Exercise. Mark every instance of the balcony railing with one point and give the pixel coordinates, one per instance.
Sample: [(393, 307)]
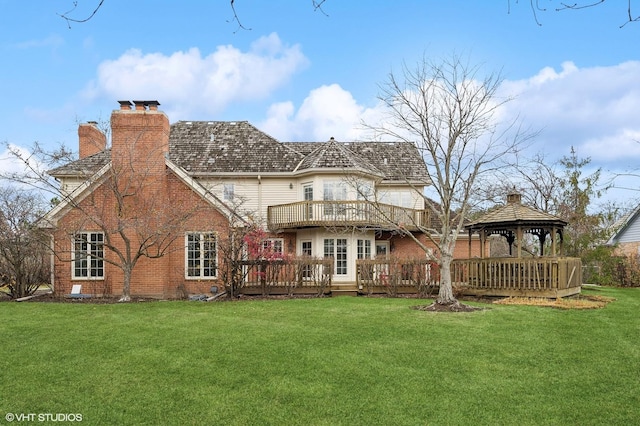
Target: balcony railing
[(304, 214)]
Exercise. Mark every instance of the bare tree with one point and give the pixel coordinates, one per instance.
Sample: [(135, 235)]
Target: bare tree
[(24, 260), (560, 5), (449, 111), (317, 5)]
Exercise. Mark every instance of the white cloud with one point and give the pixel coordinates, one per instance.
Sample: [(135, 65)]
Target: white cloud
[(15, 161), (54, 41), (593, 109), (623, 144), (328, 111), (188, 83)]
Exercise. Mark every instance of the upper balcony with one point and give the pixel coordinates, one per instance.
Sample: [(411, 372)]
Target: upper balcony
[(305, 214)]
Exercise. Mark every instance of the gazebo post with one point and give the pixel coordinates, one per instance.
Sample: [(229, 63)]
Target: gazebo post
[(519, 238)]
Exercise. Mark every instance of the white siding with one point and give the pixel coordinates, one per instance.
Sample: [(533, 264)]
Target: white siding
[(68, 185), (632, 232), (416, 201), (254, 195)]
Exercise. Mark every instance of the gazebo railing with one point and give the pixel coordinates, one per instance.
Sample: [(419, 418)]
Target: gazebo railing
[(521, 274)]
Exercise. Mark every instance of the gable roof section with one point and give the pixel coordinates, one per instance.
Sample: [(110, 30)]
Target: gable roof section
[(87, 166), (332, 155), (628, 230), (50, 219), (394, 161)]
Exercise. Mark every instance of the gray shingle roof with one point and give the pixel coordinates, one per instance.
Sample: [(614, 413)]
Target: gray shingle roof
[(203, 147), (213, 147), (336, 155), (394, 160), (84, 167)]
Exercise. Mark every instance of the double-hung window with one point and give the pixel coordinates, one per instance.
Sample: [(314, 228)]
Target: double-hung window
[(228, 192), (364, 249), (88, 255), (201, 255)]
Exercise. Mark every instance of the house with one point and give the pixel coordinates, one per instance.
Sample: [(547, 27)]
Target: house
[(171, 193), (626, 238)]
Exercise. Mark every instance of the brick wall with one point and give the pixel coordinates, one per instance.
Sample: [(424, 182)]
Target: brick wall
[(405, 247), (142, 199)]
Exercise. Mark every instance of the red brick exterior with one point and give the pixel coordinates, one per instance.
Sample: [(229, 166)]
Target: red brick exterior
[(149, 199), (406, 247), (91, 139)]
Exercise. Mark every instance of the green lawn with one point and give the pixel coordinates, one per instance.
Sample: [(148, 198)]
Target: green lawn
[(326, 361)]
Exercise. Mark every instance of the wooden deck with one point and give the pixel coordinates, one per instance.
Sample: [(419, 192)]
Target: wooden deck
[(526, 277), (493, 277), (304, 214)]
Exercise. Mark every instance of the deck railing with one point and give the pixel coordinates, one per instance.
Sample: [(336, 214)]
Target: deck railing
[(285, 276), (343, 213), (394, 276), (519, 274)]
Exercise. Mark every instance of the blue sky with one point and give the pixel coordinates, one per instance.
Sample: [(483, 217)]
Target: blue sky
[(300, 74)]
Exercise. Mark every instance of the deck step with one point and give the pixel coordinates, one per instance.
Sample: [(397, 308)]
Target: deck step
[(346, 289), (344, 292)]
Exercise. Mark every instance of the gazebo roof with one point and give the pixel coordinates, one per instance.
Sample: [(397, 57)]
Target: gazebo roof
[(514, 214)]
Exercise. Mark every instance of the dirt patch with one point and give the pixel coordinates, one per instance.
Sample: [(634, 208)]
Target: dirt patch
[(450, 307), (578, 302), (53, 298)]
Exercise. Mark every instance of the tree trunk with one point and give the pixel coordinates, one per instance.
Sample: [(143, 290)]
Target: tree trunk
[(126, 285), (445, 294)]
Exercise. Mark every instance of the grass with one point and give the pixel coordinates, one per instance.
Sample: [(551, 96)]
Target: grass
[(340, 361)]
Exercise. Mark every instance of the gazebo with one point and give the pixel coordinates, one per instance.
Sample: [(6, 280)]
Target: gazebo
[(545, 274)]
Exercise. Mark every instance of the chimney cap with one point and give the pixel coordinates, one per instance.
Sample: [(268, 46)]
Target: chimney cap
[(125, 104), (140, 105), (514, 197)]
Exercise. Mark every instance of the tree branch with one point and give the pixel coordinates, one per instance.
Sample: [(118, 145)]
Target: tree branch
[(69, 20)]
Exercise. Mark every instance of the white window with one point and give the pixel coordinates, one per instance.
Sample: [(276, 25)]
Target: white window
[(272, 247), (307, 252), (364, 249), (88, 256), (306, 248), (307, 194), (337, 248), (364, 191), (334, 191), (382, 249), (397, 198), (228, 192), (201, 255)]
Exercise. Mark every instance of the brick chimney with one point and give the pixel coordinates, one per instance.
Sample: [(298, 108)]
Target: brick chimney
[(140, 136), (91, 140)]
